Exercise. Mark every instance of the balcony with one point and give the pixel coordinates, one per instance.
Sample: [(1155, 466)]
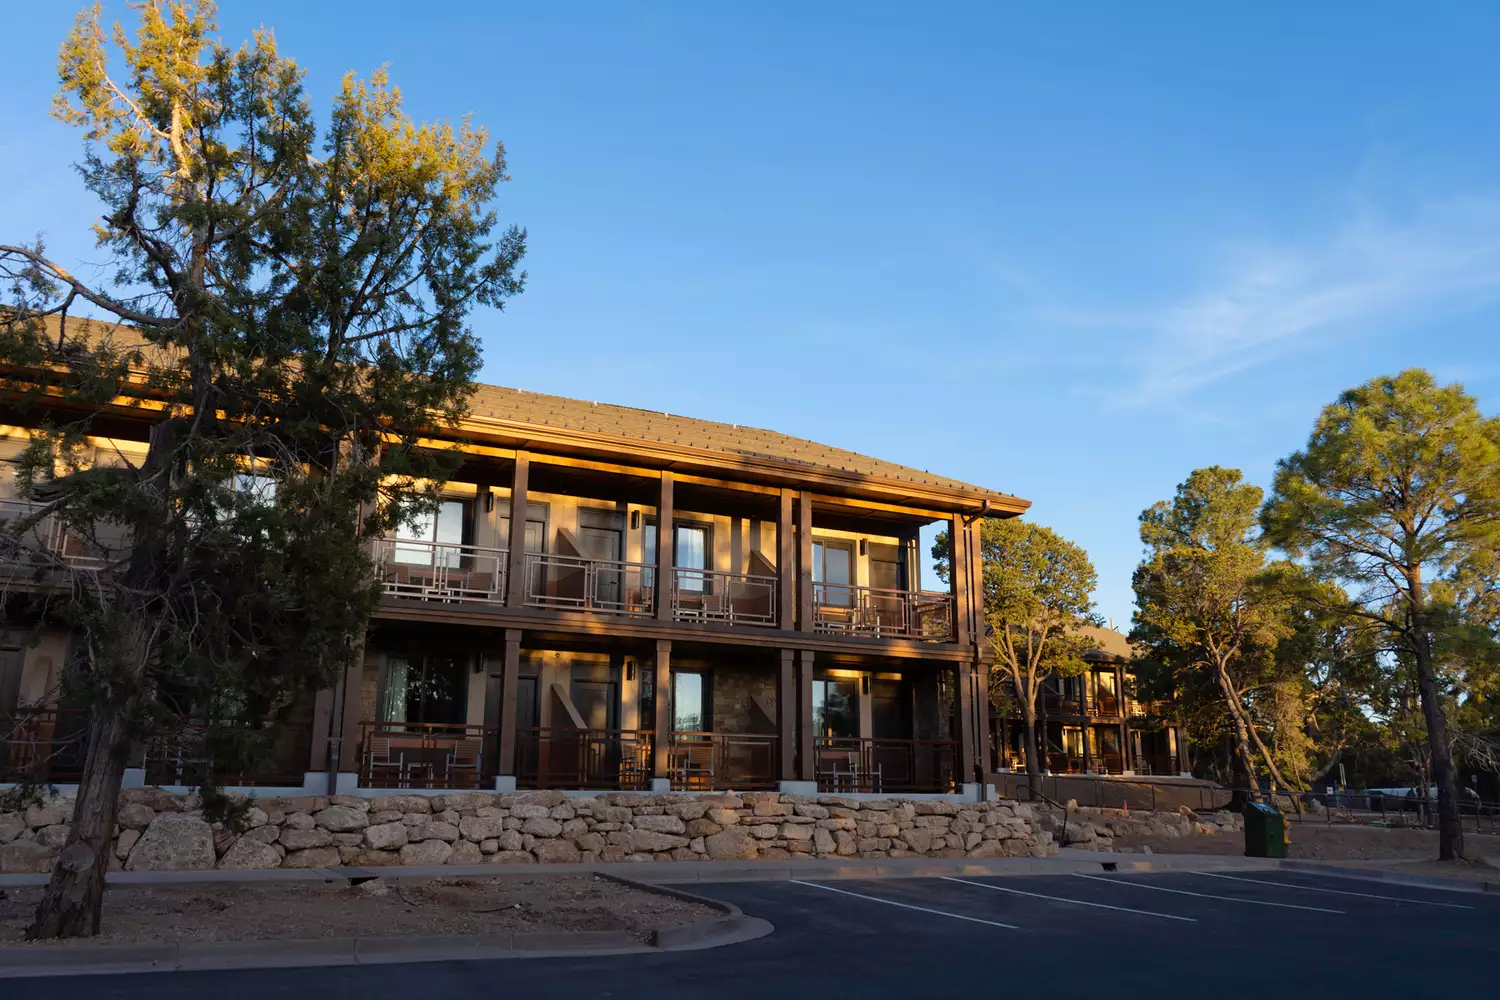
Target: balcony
[(732, 598), (712, 761), (607, 759), (871, 611), (440, 571), (44, 544), (46, 744), (426, 755), (886, 766), (577, 583)]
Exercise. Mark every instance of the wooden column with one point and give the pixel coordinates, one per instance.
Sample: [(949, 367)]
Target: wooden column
[(666, 552), (806, 745), (804, 563), (786, 563), (786, 715), (348, 711), (982, 719), (662, 690), (958, 574), (965, 679), (976, 582), (515, 563), (510, 680), (322, 722), (1122, 709)]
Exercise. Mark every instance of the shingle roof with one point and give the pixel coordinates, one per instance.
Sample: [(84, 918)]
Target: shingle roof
[(630, 422)]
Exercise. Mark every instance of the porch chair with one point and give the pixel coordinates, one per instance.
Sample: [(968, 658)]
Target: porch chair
[(378, 761), (465, 760)]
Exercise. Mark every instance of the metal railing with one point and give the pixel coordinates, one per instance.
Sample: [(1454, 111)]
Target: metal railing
[(850, 764), (711, 761), (426, 754), (575, 582), (874, 611), (43, 744), (46, 541), (441, 571), (583, 758), (274, 754), (715, 596)]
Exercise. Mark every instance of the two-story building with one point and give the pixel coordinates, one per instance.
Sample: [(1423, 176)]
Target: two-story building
[(615, 598)]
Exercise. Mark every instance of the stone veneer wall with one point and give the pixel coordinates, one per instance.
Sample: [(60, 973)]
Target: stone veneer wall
[(163, 831)]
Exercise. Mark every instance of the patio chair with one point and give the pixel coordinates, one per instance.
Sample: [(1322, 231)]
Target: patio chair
[(378, 761), (464, 761)]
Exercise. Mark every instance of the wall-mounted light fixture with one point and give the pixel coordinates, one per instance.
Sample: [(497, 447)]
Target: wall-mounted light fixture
[(864, 683), (864, 546), (635, 520), (489, 502), (630, 670)]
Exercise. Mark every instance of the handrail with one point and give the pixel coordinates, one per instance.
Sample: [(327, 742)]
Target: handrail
[(873, 764), (879, 611), (706, 761), (555, 757), (51, 536), (554, 580), (716, 595), (440, 571)]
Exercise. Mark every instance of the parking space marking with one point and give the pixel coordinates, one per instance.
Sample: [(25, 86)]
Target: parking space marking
[(1205, 895), (1334, 892), (1064, 899), (905, 906)]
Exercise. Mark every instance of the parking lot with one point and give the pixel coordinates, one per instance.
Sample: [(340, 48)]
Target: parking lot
[(1134, 934)]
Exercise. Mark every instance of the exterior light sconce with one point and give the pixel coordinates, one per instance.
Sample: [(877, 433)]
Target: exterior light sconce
[(489, 502), (630, 670), (864, 679), (864, 546), (635, 520)]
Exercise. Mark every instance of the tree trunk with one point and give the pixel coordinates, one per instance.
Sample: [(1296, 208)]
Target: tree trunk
[(1033, 755), (75, 893), (1450, 823), (1241, 732)]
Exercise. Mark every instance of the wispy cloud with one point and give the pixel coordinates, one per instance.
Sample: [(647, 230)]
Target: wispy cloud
[(1272, 301)]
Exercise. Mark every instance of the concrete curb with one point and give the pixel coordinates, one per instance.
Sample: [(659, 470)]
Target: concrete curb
[(1372, 874)]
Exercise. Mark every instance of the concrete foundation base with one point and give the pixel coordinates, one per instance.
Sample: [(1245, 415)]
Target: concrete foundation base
[(798, 787), (134, 777), (505, 782), (659, 785)]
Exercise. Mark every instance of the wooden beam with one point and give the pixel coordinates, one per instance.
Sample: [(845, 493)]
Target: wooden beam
[(510, 680), (981, 672), (958, 574), (662, 738), (804, 563), (976, 582), (786, 563), (807, 754), (786, 715), (515, 573), (966, 747), (666, 549), (321, 721)]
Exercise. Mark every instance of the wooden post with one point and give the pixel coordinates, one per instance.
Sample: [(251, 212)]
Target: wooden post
[(786, 715), (322, 722), (982, 718), (666, 552), (515, 563), (958, 574), (662, 731), (786, 563), (510, 680), (976, 582), (807, 752), (965, 679), (348, 711), (804, 563)]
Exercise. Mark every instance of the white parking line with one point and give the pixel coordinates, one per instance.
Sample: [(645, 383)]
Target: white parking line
[(1334, 892), (1204, 895), (1064, 899), (905, 906)]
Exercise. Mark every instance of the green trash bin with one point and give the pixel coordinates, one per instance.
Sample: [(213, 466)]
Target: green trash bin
[(1265, 831)]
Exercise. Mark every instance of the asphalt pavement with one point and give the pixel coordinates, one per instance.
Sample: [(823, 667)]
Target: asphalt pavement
[(1279, 933)]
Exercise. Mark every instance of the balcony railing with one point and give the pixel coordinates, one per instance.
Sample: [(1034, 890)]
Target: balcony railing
[(881, 766), (441, 571), (1156, 764), (584, 758), (576, 582), (426, 754), (734, 598), (274, 754), (43, 744), (873, 611), (711, 761), (45, 542)]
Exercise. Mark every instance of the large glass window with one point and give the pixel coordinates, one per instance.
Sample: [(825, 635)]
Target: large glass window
[(833, 572), (690, 702), (423, 689), (835, 707), (435, 538), (690, 554)]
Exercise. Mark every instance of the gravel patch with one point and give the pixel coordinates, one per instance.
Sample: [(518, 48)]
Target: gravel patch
[(383, 908)]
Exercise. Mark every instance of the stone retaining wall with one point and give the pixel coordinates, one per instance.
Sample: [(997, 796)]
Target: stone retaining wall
[(1094, 829), (164, 831)]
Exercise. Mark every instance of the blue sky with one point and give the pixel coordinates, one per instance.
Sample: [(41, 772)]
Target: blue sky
[(1067, 251)]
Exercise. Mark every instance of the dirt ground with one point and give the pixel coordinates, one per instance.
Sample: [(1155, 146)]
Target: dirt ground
[(292, 910), (1315, 841)]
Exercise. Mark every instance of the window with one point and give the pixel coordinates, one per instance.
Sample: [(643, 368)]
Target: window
[(435, 538), (430, 689), (261, 489), (832, 573), (835, 707), (690, 554), (691, 710), (1072, 741)]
